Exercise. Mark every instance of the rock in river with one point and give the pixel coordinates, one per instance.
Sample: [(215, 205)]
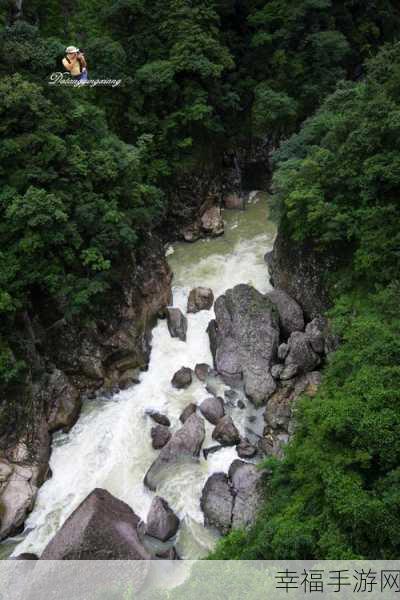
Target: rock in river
[(200, 298), (225, 432), (101, 528), (217, 502), (232, 501), (212, 409), (185, 444), (182, 378), (162, 522), (160, 435), (177, 323)]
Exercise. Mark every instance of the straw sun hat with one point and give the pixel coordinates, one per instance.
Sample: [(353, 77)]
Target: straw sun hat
[(71, 50)]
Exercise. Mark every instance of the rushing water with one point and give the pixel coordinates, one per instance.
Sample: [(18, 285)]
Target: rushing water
[(110, 446)]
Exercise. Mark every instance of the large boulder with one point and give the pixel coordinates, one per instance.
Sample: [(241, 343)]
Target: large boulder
[(162, 522), (217, 502), (182, 378), (184, 445), (244, 339), (290, 313), (200, 298), (315, 334), (301, 353), (225, 432), (246, 483), (177, 323), (160, 436), (231, 501), (101, 528), (212, 409), (212, 222)]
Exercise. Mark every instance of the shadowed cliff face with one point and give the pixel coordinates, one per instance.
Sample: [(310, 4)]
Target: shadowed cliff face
[(302, 271), (69, 360)]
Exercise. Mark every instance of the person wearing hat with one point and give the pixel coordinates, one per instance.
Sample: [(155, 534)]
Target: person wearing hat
[(75, 63)]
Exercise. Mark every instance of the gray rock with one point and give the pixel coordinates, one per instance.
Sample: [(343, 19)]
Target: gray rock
[(245, 449), (160, 435), (290, 313), (283, 351), (187, 412), (246, 483), (315, 334), (244, 340), (182, 378), (289, 372), (202, 371), (232, 501), (22, 472), (225, 432), (217, 502), (64, 402), (276, 371), (212, 409), (101, 528), (185, 444), (162, 522), (159, 418), (301, 353), (177, 323), (241, 404), (200, 298), (212, 222)]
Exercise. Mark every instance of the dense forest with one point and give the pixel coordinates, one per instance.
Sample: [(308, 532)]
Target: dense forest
[(87, 174)]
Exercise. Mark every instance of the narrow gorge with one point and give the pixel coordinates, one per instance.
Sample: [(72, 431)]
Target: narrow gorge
[(247, 351)]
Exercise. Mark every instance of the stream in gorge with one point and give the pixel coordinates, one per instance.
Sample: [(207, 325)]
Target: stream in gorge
[(110, 446)]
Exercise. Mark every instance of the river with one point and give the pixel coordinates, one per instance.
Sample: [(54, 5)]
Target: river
[(110, 446)]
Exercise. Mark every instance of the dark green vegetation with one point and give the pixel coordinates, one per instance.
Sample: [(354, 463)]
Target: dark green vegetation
[(87, 174), (337, 493)]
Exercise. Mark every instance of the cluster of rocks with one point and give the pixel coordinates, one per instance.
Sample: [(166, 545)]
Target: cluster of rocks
[(231, 501), (263, 342), (105, 528)]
